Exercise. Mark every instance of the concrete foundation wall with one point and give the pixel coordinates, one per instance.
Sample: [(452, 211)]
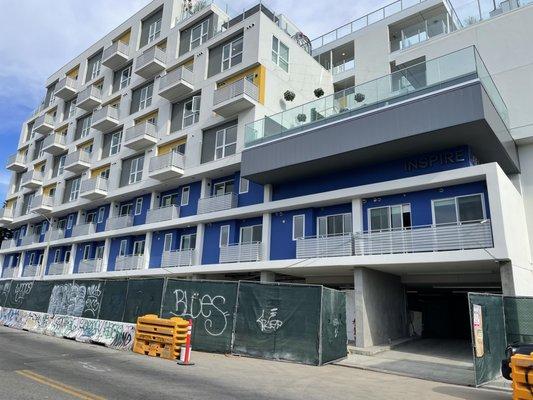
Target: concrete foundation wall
[(380, 309)]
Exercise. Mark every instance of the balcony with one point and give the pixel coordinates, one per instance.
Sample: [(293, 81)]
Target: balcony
[(32, 179), (44, 124), (84, 229), (240, 252), (233, 98), (105, 118), (217, 203), (417, 239), (176, 83), (91, 265), (16, 162), (9, 272), (55, 234), (94, 188), (124, 221), (55, 144), (42, 204), (29, 239), (140, 136), (78, 161), (178, 258), (116, 55), (150, 63), (162, 214), (89, 98), (30, 270), (8, 244), (167, 166), (386, 119), (6, 215), (66, 88), (124, 263), (59, 268)]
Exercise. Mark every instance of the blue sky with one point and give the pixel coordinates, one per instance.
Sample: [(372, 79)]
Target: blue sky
[(39, 36)]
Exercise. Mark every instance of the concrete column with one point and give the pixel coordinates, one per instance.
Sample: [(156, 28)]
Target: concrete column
[(154, 200), (515, 279), (147, 247), (114, 209), (205, 189), (200, 230), (357, 215), (72, 261), (380, 309), (265, 245), (2, 258), (268, 276), (267, 193), (20, 266), (105, 256)]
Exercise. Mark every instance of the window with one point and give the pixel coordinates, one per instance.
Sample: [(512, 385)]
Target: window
[(67, 256), (70, 108), (199, 34), (222, 188), (61, 166), (32, 258), (224, 235), (75, 189), (57, 256), (251, 234), (457, 210), (244, 185), (85, 126), (332, 225), (125, 209), (43, 228), (89, 218), (70, 221), (116, 139), (125, 77), (188, 242), (167, 244), (185, 191), (280, 54), (298, 227), (40, 259), (154, 30), (87, 252), (104, 174), (95, 70), (99, 253), (166, 201), (191, 111), (145, 99), (123, 248), (61, 224), (232, 53), (101, 213), (136, 170), (390, 217), (138, 206), (138, 248), (226, 142)]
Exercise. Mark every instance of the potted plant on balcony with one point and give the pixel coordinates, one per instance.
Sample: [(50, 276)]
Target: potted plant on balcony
[(301, 118), (289, 96), (319, 92), (359, 97)]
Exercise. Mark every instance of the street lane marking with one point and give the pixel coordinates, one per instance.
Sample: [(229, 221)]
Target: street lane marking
[(80, 394)]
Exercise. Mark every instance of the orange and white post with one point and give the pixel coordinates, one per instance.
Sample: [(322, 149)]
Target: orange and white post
[(185, 352)]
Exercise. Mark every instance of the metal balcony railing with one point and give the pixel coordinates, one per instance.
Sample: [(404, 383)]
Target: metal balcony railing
[(15, 159), (123, 263), (174, 76), (162, 214), (9, 272), (45, 119), (150, 55), (67, 82), (105, 112), (217, 203), (91, 91), (6, 213), (79, 156), (93, 184), (90, 265), (30, 270), (42, 201), (123, 221), (32, 175), (55, 139), (117, 47), (29, 239), (169, 160), (8, 244), (417, 239), (140, 130), (240, 252), (235, 89), (59, 268), (83, 229), (56, 234), (178, 258)]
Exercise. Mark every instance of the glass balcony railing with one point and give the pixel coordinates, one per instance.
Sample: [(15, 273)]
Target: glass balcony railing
[(472, 12), (426, 77)]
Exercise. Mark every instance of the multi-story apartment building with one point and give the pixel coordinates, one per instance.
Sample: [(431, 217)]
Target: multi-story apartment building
[(193, 142)]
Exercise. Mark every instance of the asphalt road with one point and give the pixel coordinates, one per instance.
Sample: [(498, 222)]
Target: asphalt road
[(34, 366)]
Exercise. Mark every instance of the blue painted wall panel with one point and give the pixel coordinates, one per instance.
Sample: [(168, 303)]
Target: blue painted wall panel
[(158, 241), (114, 248)]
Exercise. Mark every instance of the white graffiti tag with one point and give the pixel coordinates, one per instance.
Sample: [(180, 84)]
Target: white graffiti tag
[(92, 304), (21, 291), (210, 308), (269, 324)]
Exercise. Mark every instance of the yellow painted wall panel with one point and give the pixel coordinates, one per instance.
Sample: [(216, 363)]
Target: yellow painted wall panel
[(74, 72), (125, 37), (97, 171), (167, 148)]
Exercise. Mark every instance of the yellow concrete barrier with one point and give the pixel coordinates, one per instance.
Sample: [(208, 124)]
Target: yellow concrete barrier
[(522, 374), (159, 337)]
